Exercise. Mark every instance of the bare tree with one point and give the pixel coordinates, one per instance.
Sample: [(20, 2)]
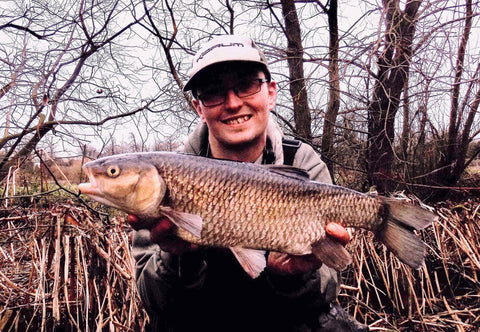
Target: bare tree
[(462, 115), (334, 85), (84, 71), (55, 77), (294, 54), (393, 65), (435, 153)]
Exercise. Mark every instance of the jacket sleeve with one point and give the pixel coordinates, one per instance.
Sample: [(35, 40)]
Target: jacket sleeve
[(309, 160), (314, 290), (159, 274)]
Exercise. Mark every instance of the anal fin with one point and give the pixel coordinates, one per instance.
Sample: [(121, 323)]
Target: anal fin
[(253, 261)]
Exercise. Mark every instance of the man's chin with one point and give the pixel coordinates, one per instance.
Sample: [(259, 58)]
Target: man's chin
[(240, 142)]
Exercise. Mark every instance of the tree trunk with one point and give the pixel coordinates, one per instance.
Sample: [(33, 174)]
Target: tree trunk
[(334, 88), (393, 66), (298, 91), (456, 145)]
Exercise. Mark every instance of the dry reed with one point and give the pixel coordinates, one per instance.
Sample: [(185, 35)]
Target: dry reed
[(64, 267), (444, 295)]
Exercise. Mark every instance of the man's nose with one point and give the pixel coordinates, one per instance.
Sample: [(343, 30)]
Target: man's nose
[(232, 100)]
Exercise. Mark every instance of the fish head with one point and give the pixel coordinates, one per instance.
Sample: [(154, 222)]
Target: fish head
[(125, 182)]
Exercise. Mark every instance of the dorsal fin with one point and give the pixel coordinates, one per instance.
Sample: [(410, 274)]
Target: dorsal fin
[(289, 171)]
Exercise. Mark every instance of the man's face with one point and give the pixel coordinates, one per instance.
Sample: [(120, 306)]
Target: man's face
[(230, 106)]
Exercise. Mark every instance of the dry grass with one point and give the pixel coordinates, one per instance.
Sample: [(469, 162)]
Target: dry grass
[(63, 267), (444, 295)]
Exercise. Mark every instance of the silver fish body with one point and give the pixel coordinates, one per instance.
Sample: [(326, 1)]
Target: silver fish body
[(246, 206)]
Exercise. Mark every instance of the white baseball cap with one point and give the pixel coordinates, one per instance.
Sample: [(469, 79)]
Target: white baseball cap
[(222, 49)]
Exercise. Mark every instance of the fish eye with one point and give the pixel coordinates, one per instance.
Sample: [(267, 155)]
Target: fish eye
[(113, 171)]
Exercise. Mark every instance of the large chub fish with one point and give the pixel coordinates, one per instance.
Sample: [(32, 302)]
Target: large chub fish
[(250, 208)]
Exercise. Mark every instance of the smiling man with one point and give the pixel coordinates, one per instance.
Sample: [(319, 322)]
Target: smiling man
[(235, 104), (186, 288)]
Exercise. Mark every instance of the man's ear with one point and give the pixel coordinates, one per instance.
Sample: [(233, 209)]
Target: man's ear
[(272, 95), (198, 109)]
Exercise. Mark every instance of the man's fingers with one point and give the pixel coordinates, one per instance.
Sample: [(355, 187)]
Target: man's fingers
[(159, 226), (338, 232), (163, 233), (161, 230), (137, 223)]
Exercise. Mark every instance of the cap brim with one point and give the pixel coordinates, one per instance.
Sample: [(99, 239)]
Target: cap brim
[(190, 85)]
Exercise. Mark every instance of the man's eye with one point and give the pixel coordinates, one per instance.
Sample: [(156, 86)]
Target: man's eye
[(210, 91), (209, 97), (244, 85), (210, 94)]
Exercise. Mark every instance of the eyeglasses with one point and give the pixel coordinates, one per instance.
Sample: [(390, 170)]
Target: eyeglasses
[(217, 96)]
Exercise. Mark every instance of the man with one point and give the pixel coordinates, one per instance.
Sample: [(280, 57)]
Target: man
[(186, 288)]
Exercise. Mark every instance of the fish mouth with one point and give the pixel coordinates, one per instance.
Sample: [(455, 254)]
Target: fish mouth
[(237, 120), (91, 188), (88, 189), (94, 193)]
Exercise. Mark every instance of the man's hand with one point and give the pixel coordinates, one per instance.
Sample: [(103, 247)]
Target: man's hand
[(282, 263), (163, 233)]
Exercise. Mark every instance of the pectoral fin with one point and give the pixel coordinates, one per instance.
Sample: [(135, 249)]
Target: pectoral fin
[(332, 253), (253, 261), (189, 222)]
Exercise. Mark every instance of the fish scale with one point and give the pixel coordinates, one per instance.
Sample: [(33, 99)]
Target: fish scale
[(280, 215), (242, 200), (248, 206)]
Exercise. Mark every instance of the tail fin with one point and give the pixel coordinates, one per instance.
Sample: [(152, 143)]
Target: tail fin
[(397, 231)]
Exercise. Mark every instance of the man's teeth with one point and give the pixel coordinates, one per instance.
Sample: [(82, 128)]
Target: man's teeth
[(238, 120)]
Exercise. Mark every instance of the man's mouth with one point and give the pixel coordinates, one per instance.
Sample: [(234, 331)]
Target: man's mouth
[(238, 120)]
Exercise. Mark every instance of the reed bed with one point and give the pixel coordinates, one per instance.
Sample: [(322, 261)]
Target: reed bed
[(64, 267), (444, 295)]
